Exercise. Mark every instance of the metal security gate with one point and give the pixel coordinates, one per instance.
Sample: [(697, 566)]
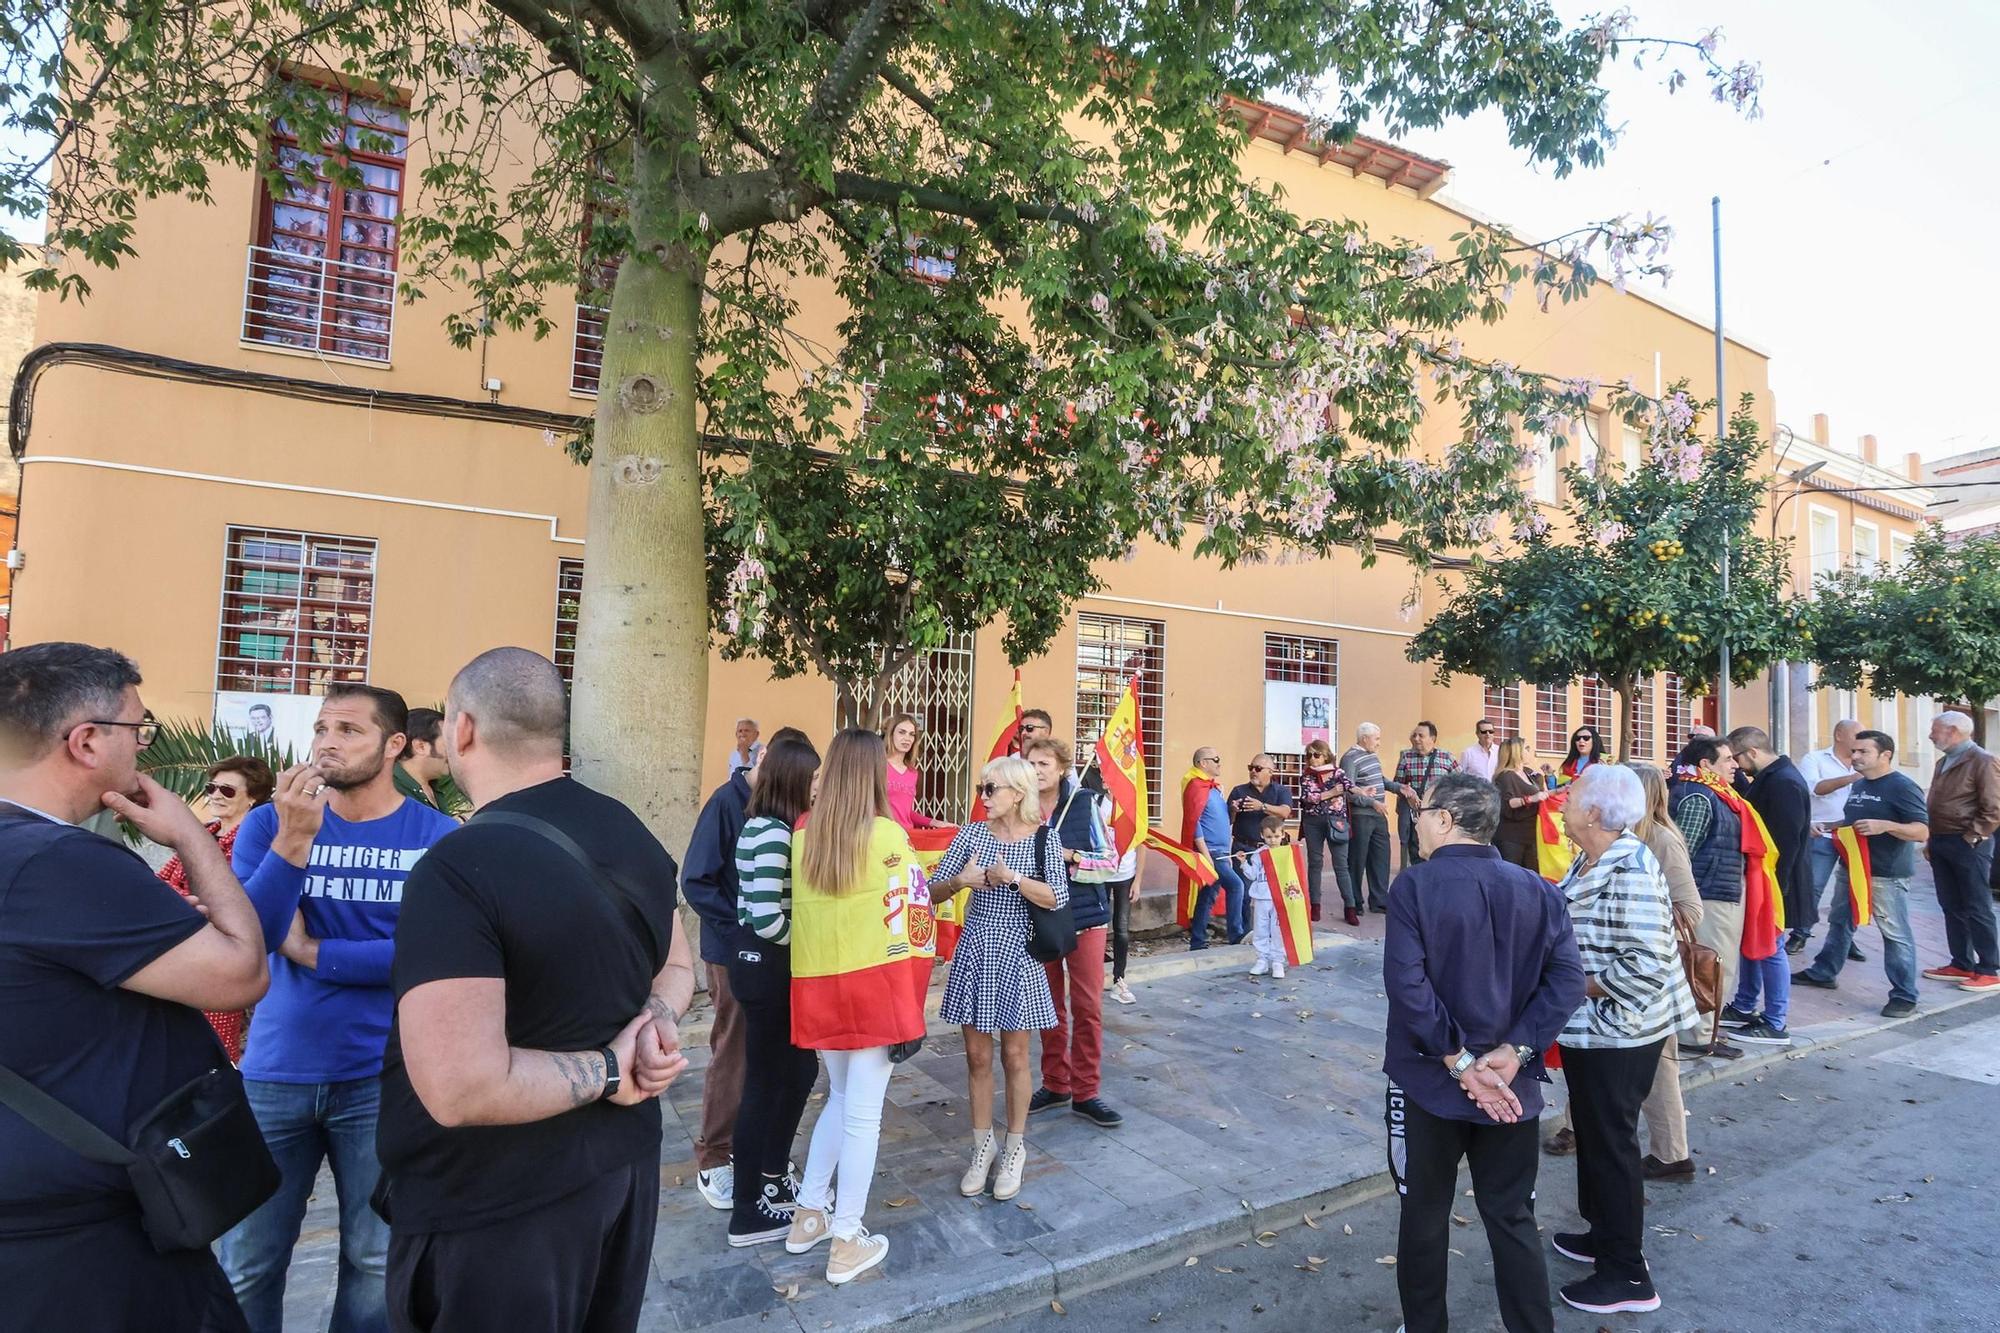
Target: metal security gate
[(936, 688)]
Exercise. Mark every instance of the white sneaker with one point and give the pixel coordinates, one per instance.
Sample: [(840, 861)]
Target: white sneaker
[(1278, 970), (1260, 968), (850, 1257), (1122, 992), (718, 1186)]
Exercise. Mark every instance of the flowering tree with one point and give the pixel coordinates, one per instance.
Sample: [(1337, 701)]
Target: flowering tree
[(1633, 584), (1130, 341), (1929, 627)]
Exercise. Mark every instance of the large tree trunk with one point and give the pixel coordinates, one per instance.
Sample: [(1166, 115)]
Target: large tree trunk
[(1622, 689)]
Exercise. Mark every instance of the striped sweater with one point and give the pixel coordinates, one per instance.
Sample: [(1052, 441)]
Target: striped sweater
[(764, 879), (1624, 926)]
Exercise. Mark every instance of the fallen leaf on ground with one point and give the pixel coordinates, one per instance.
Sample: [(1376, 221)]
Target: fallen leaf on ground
[(1460, 1221), (1307, 1218), (1788, 1096), (1267, 1238), (1220, 1269), (1256, 1309), (1057, 1306), (1025, 1207), (1346, 1230), (901, 1203), (1192, 1260), (1388, 1260), (1904, 1197)]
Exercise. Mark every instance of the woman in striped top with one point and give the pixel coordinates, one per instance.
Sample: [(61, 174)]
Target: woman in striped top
[(777, 1076), (1636, 999)]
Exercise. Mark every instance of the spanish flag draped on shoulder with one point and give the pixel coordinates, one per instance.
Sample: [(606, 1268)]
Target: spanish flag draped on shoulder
[(1853, 849), (1763, 903), (1285, 872), (1554, 852), (1121, 761), (1197, 869), (1007, 741), (861, 960)]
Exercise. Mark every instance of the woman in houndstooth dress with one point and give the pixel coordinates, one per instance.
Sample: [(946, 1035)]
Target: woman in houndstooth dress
[(994, 987)]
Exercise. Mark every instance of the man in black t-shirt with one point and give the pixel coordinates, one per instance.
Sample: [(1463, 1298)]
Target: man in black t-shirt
[(1250, 801), (536, 1003), (104, 972)]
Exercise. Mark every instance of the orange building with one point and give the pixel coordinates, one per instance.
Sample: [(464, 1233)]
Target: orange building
[(272, 475)]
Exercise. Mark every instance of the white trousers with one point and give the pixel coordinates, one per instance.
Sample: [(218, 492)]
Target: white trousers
[(846, 1136), (1264, 932)]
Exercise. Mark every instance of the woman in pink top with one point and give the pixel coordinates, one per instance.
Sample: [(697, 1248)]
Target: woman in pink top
[(901, 739)]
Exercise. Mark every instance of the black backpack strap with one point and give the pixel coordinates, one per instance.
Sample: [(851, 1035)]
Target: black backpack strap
[(59, 1122), (614, 885)]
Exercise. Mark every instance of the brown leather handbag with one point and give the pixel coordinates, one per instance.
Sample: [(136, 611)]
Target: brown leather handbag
[(1703, 967)]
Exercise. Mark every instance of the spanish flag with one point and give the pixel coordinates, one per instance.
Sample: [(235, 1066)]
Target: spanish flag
[(1121, 760), (1853, 849), (1007, 742), (930, 844), (1285, 872), (1763, 903), (1195, 787), (861, 961), (1554, 853)]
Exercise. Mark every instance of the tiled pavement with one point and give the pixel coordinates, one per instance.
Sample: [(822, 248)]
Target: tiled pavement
[(1247, 1102)]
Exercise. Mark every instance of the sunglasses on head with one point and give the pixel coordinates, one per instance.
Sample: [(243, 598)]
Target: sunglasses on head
[(222, 789)]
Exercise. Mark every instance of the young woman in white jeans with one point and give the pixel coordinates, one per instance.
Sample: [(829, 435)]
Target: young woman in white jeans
[(858, 979)]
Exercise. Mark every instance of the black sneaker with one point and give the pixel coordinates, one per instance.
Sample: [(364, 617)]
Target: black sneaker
[(1609, 1295), (1379, 909), (1796, 943), (1806, 978), (1761, 1033), (1044, 1100), (764, 1221), (1574, 1245), (1732, 1017), (1098, 1112), (1854, 954), (1899, 1009)]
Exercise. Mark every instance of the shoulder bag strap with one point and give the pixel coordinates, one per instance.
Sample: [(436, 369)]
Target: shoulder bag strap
[(1042, 853), (614, 885), (59, 1122)]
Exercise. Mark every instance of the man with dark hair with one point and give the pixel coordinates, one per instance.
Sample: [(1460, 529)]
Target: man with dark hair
[(538, 981), (261, 722), (1714, 836), (1886, 810), (1481, 971), (1416, 769), (1035, 725), (103, 977), (708, 879), (423, 763), (1780, 794), (325, 864)]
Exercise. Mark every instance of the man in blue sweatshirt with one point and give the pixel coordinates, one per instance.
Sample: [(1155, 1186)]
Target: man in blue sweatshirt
[(324, 865)]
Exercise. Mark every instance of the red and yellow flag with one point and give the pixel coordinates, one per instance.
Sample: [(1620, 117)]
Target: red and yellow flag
[(1006, 742), (1763, 903), (862, 961), (1554, 853), (1196, 871), (1121, 760), (949, 913), (1285, 872), (1853, 849)]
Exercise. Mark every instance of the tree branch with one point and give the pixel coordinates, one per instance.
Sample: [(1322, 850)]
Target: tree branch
[(560, 40), (863, 52)]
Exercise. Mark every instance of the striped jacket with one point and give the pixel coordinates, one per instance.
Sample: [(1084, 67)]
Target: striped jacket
[(1624, 923), (764, 879)]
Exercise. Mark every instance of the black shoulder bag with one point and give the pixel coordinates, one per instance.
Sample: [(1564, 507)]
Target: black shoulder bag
[(1051, 930)]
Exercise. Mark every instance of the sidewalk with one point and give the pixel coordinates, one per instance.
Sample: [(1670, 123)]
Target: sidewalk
[(1248, 1103)]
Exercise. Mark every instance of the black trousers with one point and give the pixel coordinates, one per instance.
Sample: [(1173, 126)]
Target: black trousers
[(1606, 1089), (1963, 871), (1319, 843), (1424, 1153), (1368, 855), (577, 1265), (108, 1276), (777, 1076), (1121, 925)]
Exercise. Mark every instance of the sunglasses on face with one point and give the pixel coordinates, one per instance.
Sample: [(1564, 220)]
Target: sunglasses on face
[(1260, 768), (1485, 731), (988, 790), (222, 789)]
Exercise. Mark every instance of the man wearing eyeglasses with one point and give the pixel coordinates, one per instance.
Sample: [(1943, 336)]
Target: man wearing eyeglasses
[(1483, 759), (1417, 771), (103, 977)]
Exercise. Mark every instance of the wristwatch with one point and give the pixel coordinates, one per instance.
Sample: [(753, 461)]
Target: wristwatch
[(1465, 1061), (1526, 1054), (612, 1081)]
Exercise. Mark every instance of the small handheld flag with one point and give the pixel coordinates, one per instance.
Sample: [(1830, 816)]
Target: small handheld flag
[(1121, 760), (1285, 872), (1197, 871), (1853, 849)]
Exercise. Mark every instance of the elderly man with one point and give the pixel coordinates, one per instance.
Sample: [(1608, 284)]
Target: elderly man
[(1368, 848), (1417, 768), (1829, 771), (1481, 971), (748, 748), (1964, 804)]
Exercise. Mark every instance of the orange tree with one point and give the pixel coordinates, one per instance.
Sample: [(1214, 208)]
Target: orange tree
[(1629, 582)]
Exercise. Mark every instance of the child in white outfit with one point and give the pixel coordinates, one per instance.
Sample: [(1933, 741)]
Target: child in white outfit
[(1264, 928)]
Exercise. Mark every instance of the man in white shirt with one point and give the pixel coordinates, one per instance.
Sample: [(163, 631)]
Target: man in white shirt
[(1829, 772), (1482, 759)]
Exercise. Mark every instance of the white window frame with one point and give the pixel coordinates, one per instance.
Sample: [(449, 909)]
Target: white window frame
[(1874, 531), (1548, 468), (1899, 554), (1632, 441), (569, 587), (1817, 562)]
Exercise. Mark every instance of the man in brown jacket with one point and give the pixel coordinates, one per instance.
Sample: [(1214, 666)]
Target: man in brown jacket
[(1964, 801)]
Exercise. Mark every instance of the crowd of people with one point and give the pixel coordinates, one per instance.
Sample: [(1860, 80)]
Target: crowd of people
[(470, 1021)]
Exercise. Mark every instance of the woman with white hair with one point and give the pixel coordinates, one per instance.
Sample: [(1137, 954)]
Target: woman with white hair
[(1008, 861), (1637, 997)]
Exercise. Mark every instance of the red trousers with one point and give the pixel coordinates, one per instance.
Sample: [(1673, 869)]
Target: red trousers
[(1073, 1050)]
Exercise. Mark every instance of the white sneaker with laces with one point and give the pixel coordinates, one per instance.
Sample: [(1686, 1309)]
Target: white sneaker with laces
[(1122, 992), (718, 1186), (851, 1256), (1260, 968), (1278, 970)]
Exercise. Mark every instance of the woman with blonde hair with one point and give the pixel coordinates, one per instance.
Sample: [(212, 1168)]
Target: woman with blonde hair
[(862, 940), (1008, 861), (1521, 790)]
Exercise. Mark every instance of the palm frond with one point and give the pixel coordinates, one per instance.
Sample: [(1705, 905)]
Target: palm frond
[(180, 755)]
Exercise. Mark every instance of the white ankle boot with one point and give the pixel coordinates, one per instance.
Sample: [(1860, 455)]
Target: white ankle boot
[(985, 1149), (1013, 1156)]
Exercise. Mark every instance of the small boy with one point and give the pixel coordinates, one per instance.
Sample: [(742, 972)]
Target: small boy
[(1264, 929)]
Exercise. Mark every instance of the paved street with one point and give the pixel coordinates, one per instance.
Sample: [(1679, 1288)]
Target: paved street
[(1248, 1104)]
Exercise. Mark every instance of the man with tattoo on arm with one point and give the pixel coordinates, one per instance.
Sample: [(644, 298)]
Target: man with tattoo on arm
[(539, 981)]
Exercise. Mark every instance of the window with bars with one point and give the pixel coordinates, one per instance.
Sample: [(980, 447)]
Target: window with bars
[(1306, 661), (1597, 709), (1642, 720), (569, 603), (936, 689), (1679, 712), (1552, 719), (1502, 707), (298, 611), (593, 307), (1110, 651), (321, 274)]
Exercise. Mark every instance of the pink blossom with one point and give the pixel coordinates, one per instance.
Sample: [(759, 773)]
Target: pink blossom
[(1611, 533)]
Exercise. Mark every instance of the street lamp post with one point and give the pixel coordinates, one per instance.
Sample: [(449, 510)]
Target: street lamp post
[(1721, 433), (1781, 685)]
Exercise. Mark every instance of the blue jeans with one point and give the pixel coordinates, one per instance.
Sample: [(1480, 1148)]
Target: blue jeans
[(1772, 976), (1825, 859), (1891, 909), (1231, 884), (305, 1123)]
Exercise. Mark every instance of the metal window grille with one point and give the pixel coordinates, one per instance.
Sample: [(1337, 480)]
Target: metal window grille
[(569, 604), (1110, 650), (586, 351), (935, 688), (1552, 719), (1597, 708), (322, 273), (1642, 719), (1679, 712), (1308, 661), (298, 610), (1502, 707)]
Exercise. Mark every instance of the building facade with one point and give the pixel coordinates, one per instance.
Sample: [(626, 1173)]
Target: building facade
[(241, 498)]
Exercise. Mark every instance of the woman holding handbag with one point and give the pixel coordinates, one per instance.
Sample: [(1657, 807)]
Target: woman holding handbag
[(862, 943), (1008, 861), (1323, 821)]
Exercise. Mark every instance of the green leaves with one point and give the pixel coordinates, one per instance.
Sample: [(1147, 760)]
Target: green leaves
[(1929, 627)]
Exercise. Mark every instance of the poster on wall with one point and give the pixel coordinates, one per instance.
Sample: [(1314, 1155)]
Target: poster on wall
[(283, 720), (1296, 715)]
